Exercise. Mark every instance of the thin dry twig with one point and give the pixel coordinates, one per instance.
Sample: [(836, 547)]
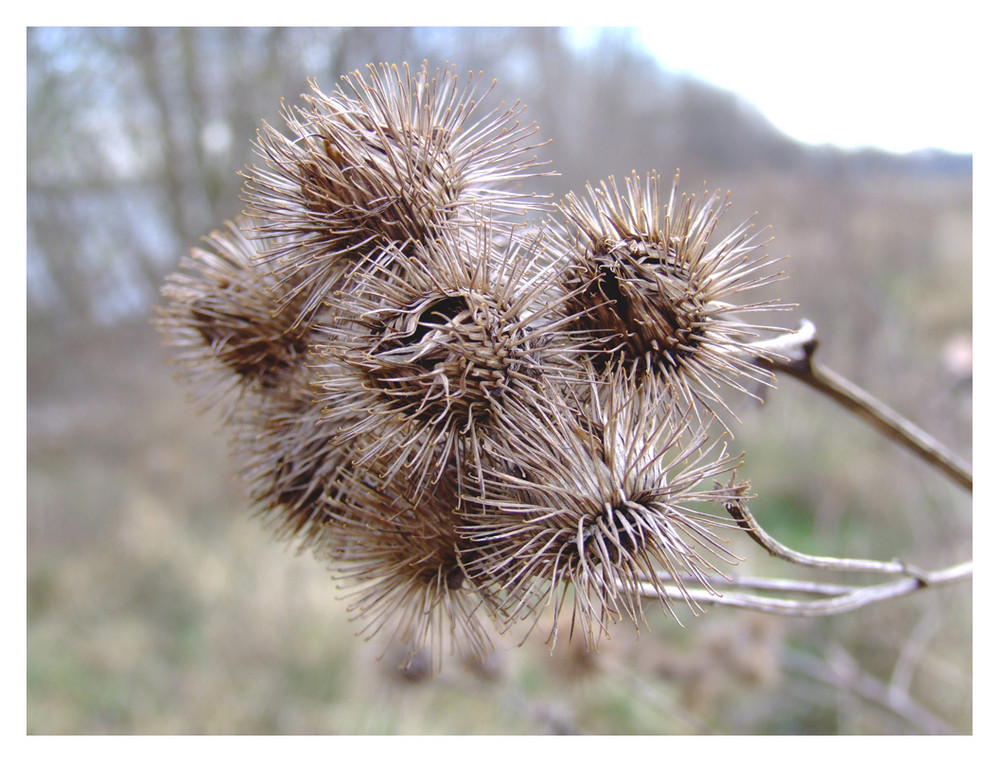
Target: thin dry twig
[(747, 522), (831, 598), (854, 598), (783, 585), (795, 357)]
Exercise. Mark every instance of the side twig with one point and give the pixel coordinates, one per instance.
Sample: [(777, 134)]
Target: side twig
[(746, 521), (828, 599), (856, 598)]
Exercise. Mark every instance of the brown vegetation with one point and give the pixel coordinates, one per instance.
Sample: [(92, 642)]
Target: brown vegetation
[(155, 605)]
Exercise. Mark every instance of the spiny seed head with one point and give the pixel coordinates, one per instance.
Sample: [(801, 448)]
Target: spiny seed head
[(460, 417), (399, 552), (382, 161), (657, 290), (594, 501), (290, 463), (221, 315), (439, 341)]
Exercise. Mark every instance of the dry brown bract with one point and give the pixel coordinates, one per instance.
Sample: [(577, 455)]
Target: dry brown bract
[(400, 553)]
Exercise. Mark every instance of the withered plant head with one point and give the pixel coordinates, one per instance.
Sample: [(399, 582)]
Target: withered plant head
[(439, 341), (383, 160), (399, 553), (664, 297), (590, 499), (222, 319), (461, 418)]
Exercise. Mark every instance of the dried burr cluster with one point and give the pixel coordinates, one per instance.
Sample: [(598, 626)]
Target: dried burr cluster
[(473, 403)]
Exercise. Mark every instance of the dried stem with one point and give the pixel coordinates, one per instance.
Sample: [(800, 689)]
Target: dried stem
[(913, 649), (748, 582), (853, 598), (833, 598), (798, 350), (747, 522)]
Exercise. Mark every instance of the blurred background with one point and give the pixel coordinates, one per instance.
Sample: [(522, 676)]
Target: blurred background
[(157, 603)]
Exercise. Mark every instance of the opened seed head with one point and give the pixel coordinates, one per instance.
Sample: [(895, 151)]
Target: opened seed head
[(662, 296), (439, 342)]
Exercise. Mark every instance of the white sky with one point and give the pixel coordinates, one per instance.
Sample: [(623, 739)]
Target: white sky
[(896, 75)]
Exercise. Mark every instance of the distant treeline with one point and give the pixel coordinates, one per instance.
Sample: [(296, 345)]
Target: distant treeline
[(136, 136)]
